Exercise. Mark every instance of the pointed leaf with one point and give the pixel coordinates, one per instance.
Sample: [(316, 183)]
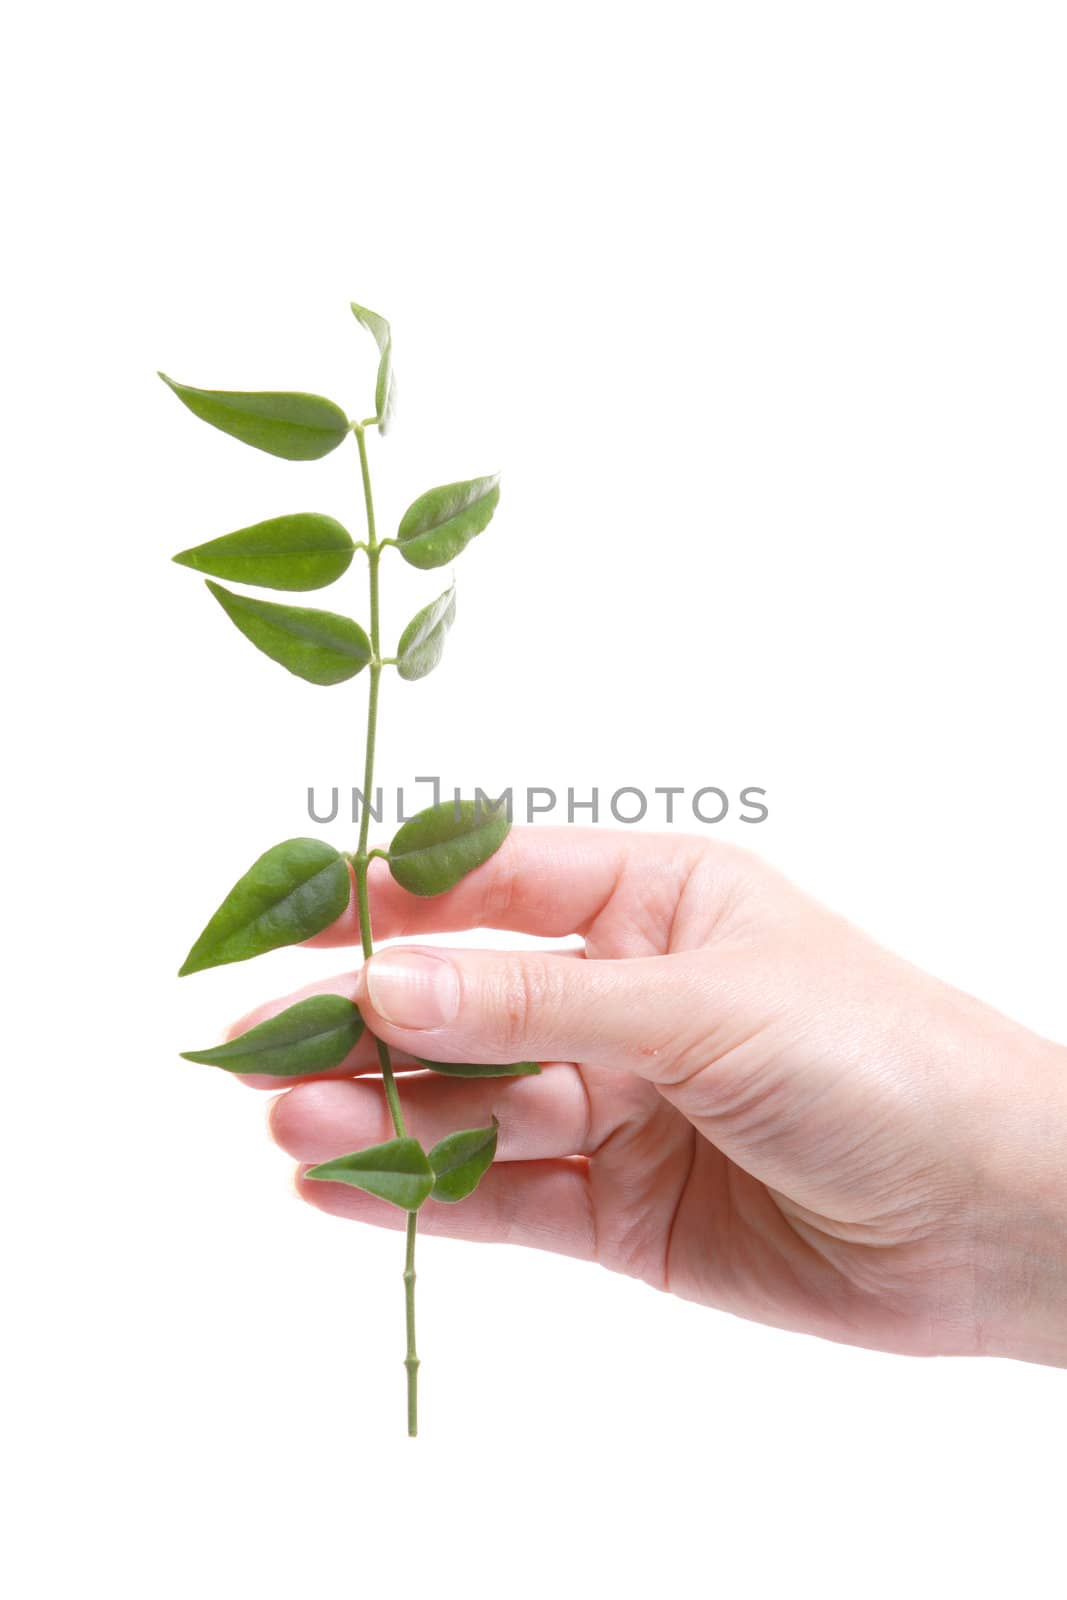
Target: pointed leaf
[(460, 1161), (439, 846), (422, 642), (297, 427), (319, 646), (295, 889), (302, 551), (398, 1172), (468, 1069), (442, 522), (385, 387), (312, 1036)]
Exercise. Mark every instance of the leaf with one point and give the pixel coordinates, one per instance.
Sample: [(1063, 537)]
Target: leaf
[(439, 846), (442, 522), (398, 1172), (312, 1036), (460, 1160), (422, 642), (319, 646), (466, 1069), (295, 889), (385, 387), (302, 551), (298, 427)]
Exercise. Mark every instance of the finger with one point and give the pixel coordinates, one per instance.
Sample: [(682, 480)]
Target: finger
[(656, 1016), (363, 1058), (539, 1117), (544, 1204), (547, 881)]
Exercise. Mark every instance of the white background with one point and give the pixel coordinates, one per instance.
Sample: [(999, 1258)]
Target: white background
[(760, 311)]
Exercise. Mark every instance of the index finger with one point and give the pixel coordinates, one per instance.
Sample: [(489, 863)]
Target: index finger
[(545, 881)]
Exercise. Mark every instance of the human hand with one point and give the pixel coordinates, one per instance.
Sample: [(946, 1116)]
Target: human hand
[(745, 1101)]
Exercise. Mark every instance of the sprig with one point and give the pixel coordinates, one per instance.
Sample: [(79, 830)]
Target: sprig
[(299, 887)]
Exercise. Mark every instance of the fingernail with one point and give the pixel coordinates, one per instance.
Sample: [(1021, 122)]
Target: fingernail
[(412, 990)]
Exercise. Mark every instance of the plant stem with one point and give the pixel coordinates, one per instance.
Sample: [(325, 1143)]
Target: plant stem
[(360, 864), (411, 1360)]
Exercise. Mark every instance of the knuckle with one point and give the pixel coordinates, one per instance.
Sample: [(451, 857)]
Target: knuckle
[(524, 994), (723, 880), (501, 887)]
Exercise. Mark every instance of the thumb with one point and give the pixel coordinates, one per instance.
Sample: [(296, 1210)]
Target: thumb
[(653, 1016)]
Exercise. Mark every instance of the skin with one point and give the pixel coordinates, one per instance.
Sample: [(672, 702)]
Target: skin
[(745, 1101)]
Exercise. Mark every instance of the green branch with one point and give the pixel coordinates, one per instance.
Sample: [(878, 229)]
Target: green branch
[(366, 934)]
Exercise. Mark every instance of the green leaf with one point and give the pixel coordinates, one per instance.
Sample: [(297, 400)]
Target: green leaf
[(442, 522), (460, 1160), (295, 889), (398, 1172), (312, 1036), (298, 427), (385, 387), (439, 846), (468, 1069), (422, 642), (319, 646), (302, 551)]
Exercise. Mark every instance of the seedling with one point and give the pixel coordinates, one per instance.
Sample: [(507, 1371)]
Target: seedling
[(298, 888)]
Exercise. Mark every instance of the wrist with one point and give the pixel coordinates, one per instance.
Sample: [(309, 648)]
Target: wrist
[(1021, 1271)]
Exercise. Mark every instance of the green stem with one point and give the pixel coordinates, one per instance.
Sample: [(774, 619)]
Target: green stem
[(360, 863), (411, 1360)]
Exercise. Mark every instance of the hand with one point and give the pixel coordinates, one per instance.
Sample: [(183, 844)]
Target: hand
[(745, 1101)]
